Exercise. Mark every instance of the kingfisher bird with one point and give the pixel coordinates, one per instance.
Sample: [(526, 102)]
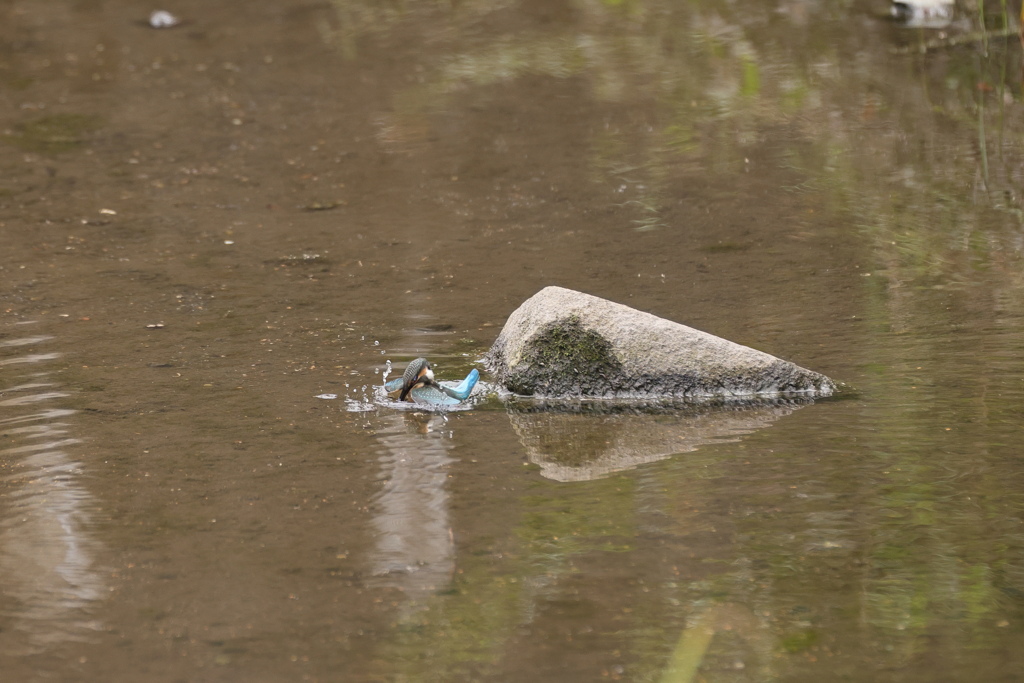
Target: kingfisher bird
[(417, 385), (417, 374)]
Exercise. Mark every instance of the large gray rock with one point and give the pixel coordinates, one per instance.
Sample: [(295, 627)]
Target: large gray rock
[(565, 343)]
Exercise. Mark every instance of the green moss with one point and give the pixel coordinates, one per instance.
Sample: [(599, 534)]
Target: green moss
[(54, 133), (566, 358)]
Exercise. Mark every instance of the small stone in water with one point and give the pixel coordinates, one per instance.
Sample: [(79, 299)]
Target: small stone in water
[(163, 19)]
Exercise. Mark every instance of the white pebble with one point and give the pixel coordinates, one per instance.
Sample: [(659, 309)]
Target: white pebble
[(162, 19)]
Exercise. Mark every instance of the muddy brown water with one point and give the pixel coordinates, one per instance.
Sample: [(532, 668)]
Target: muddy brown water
[(204, 228)]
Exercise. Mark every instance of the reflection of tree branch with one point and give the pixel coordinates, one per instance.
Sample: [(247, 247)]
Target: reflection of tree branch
[(695, 639)]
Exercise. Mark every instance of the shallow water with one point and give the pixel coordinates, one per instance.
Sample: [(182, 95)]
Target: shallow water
[(204, 228)]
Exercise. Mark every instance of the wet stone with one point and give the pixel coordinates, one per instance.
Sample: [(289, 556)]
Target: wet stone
[(566, 343)]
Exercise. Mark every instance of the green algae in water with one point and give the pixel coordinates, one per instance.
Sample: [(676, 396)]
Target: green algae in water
[(14, 81), (53, 133), (800, 641)]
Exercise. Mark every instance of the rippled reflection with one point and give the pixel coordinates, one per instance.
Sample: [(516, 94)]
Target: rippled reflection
[(595, 440), (47, 555), (414, 549)]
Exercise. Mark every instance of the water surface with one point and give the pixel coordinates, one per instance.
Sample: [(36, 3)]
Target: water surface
[(204, 228)]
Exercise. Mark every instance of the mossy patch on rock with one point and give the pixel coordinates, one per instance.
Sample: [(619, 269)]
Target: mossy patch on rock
[(565, 358)]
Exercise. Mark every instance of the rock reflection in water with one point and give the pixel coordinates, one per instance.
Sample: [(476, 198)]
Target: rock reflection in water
[(47, 556), (414, 549), (580, 440)]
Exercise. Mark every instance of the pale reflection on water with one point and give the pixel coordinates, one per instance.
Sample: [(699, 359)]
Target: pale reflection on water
[(595, 440), (48, 557), (414, 548)]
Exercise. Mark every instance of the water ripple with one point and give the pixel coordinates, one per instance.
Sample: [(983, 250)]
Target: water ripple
[(414, 545), (48, 557)]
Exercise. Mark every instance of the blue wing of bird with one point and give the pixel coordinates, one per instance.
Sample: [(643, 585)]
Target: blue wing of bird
[(465, 388), (393, 385)]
